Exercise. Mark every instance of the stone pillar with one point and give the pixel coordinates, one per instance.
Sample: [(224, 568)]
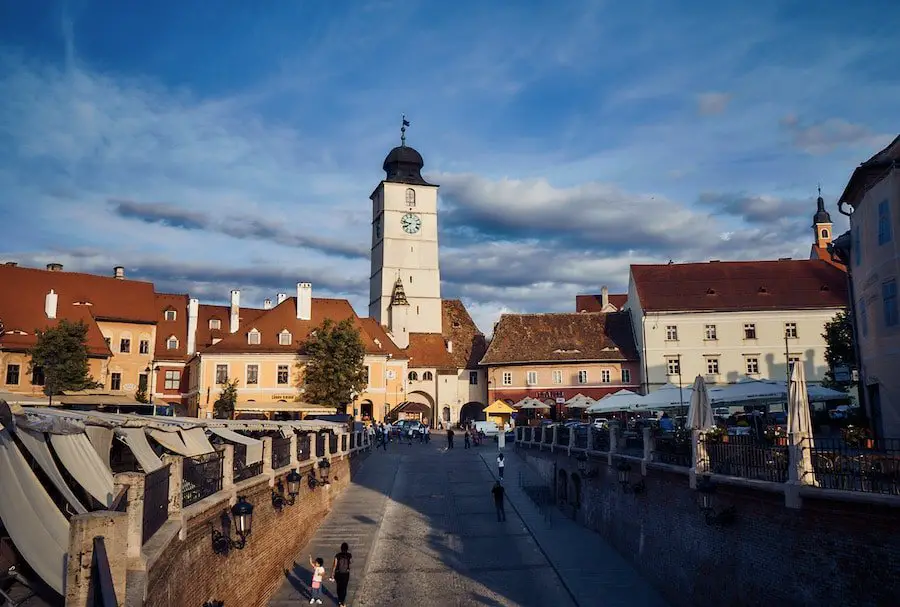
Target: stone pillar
[(134, 511), (176, 474), (571, 440), (113, 528), (294, 459), (228, 467), (648, 450), (698, 457), (554, 437), (313, 437), (267, 455), (613, 440), (327, 452)]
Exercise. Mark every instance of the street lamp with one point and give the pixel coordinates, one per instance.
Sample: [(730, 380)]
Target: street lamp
[(324, 467), (624, 472), (242, 519), (706, 490), (582, 460), (279, 501)]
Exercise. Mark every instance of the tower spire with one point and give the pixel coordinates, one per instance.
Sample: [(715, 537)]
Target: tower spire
[(403, 131)]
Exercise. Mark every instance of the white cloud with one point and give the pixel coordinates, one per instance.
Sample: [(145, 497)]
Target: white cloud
[(712, 103)]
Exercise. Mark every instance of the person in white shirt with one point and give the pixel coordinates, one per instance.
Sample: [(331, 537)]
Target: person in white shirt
[(500, 465)]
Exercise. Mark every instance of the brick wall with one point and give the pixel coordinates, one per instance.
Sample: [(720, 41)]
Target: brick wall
[(188, 572), (826, 553)]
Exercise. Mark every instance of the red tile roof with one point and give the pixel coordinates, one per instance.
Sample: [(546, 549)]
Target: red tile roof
[(469, 344), (85, 297), (207, 312), (270, 323), (593, 303), (822, 254), (385, 344), (167, 328), (740, 285), (570, 336), (429, 350)]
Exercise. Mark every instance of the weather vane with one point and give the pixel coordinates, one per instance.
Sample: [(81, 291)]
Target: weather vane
[(820, 189), (403, 131)]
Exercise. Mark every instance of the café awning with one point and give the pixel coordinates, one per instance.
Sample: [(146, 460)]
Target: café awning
[(254, 446), (84, 465)]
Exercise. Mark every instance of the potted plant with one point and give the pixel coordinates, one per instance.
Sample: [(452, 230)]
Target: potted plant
[(716, 434), (857, 437), (774, 434)]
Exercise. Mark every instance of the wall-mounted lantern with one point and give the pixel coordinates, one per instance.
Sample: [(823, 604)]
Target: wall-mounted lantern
[(583, 469), (242, 519), (324, 467), (624, 472), (279, 501), (706, 491)]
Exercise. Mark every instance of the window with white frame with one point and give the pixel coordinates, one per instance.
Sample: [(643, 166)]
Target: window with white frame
[(507, 378), (889, 301), (557, 377), (221, 374), (473, 378), (125, 345), (626, 376), (671, 333), (531, 378), (582, 377), (253, 338), (710, 332), (171, 314), (172, 343), (285, 338), (284, 375), (790, 330), (252, 375), (712, 365), (605, 376), (749, 330), (752, 364), (215, 323), (144, 346), (173, 380), (115, 381), (368, 374), (673, 365)]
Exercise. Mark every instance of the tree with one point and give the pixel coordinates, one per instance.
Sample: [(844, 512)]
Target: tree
[(140, 395), (839, 348), (224, 405), (333, 373), (61, 352)]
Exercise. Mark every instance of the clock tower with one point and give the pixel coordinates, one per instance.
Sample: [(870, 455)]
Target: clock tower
[(405, 245)]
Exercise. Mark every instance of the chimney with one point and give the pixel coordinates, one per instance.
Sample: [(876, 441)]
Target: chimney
[(304, 300), (280, 297), (235, 311), (119, 272), (450, 346), (54, 267), (267, 304), (50, 304), (604, 297), (193, 314)]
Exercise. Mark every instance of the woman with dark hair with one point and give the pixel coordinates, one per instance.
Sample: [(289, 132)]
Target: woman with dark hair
[(340, 573)]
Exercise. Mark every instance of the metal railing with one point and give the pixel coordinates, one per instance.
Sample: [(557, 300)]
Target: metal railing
[(201, 477), (581, 437), (281, 452), (745, 457), (868, 466), (673, 449), (528, 432), (156, 502), (600, 440), (541, 495), (562, 436), (303, 452), (239, 467), (103, 592), (630, 442), (539, 434), (548, 436)]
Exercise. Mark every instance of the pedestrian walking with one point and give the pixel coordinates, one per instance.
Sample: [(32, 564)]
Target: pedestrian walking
[(498, 493), (500, 465), (318, 565), (427, 434), (384, 437), (467, 439), (340, 573), (449, 438)]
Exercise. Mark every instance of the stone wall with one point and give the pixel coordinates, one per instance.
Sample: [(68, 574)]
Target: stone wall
[(187, 572), (827, 552)]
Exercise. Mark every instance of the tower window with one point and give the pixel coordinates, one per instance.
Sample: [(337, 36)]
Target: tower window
[(410, 197), (824, 233)]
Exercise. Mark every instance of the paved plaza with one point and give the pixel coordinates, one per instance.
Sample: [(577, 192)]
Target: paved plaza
[(422, 528)]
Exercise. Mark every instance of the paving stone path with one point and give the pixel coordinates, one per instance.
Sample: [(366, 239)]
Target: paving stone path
[(422, 528)]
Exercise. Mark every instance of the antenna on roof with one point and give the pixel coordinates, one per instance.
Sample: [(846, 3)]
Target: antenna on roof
[(403, 131)]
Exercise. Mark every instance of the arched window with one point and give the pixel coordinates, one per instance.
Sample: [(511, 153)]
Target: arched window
[(284, 338), (253, 337), (172, 343), (427, 376), (413, 376), (410, 197), (824, 233)]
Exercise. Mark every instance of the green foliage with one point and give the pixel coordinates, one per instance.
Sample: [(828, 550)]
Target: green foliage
[(140, 395), (334, 372), (839, 349), (61, 352), (223, 408)]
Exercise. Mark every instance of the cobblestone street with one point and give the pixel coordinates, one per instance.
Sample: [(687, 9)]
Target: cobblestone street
[(436, 540)]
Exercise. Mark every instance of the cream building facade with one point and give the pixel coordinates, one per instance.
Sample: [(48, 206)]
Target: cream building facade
[(730, 320)]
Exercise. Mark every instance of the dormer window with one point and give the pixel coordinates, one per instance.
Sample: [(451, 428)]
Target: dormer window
[(171, 314), (253, 337), (172, 343), (215, 323), (285, 338)]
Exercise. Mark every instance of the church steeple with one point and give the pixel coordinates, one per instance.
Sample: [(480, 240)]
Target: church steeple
[(821, 223), (398, 296)]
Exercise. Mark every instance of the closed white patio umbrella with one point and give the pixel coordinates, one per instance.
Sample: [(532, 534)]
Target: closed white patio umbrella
[(800, 425), (700, 415)]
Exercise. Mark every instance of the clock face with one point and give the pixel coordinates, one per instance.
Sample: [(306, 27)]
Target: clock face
[(411, 223)]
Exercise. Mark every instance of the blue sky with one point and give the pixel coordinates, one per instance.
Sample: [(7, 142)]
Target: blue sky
[(211, 146)]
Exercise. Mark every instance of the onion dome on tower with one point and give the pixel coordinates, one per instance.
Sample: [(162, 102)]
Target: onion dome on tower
[(404, 164)]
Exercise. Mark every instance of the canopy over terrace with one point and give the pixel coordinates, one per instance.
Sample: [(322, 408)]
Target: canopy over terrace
[(669, 396), (269, 409), (618, 401), (580, 401)]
